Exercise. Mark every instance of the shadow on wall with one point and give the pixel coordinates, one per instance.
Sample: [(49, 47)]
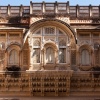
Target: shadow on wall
[(13, 71), (96, 71), (18, 20)]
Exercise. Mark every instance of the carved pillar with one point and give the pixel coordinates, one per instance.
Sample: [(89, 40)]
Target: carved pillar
[(2, 60), (73, 57), (99, 10), (77, 11), (21, 10), (56, 56), (43, 7), (68, 7), (6, 59), (44, 56), (30, 57), (56, 7), (20, 58), (90, 11), (77, 58), (91, 58), (42, 59), (8, 10), (31, 7), (69, 56)]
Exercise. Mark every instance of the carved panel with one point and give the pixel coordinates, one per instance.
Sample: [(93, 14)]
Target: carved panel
[(3, 20), (37, 32), (49, 30), (49, 39), (62, 43), (82, 42), (36, 43), (2, 54), (73, 57), (25, 57), (64, 19), (13, 42), (34, 19)]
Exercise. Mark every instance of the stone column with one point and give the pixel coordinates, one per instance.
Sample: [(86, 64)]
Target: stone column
[(21, 10), (56, 56), (43, 7), (77, 11), (90, 11), (31, 7), (8, 10), (68, 7), (30, 57), (56, 7), (69, 56), (99, 10), (42, 59)]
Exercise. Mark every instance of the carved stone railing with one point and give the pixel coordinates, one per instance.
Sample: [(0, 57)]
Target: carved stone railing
[(53, 8), (85, 83), (36, 83), (14, 11), (50, 83)]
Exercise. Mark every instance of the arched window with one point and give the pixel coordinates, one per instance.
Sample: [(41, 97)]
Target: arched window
[(50, 55), (85, 57), (36, 55), (13, 57), (62, 54), (62, 51), (36, 51)]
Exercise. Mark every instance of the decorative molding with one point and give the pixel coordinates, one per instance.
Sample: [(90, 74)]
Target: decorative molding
[(3, 20), (35, 19)]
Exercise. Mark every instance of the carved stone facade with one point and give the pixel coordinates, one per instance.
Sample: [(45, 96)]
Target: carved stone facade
[(55, 47)]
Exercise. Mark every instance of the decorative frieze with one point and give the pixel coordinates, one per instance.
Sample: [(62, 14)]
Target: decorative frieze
[(64, 19)]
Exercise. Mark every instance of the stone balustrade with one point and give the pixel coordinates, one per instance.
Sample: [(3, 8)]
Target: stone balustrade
[(53, 8), (50, 83)]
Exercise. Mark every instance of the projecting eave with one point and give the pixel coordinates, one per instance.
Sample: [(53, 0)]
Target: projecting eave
[(13, 28), (86, 27)]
